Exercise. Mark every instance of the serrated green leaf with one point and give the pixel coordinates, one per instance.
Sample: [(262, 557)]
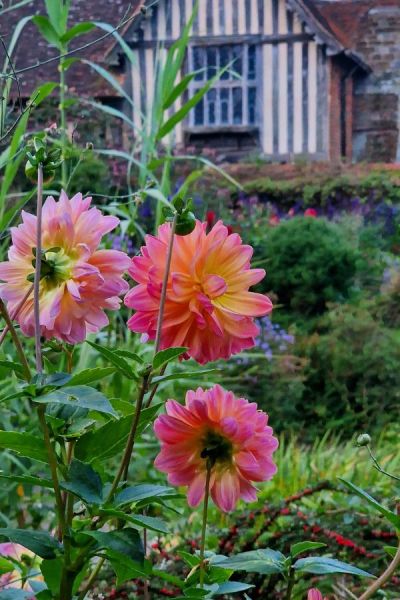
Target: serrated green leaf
[(126, 541), (91, 375), (84, 482), (118, 361), (142, 492), (40, 542), (28, 480), (165, 356), (125, 568), (24, 444), (301, 547), (264, 561), (91, 445), (81, 396), (140, 520), (13, 366), (390, 516), (323, 565), (182, 375)]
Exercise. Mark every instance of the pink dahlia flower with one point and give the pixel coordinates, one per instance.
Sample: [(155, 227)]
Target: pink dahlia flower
[(208, 306), (78, 281), (314, 594), (216, 428)]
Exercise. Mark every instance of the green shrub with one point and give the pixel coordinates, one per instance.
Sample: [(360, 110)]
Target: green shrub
[(309, 262), (351, 378)]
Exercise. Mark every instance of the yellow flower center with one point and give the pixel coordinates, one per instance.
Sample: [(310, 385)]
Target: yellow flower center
[(56, 267)]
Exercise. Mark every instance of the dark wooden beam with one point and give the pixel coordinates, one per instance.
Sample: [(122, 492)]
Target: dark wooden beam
[(230, 39)]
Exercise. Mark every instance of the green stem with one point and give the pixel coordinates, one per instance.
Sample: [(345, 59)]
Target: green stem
[(16, 340), (204, 526), (91, 579), (36, 283), (53, 468), (131, 439), (63, 120), (165, 285), (386, 576), (16, 313), (379, 468), (290, 583)]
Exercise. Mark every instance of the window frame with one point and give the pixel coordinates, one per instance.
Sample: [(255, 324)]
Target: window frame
[(242, 82)]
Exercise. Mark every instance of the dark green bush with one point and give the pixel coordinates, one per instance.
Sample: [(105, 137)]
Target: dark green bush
[(309, 262)]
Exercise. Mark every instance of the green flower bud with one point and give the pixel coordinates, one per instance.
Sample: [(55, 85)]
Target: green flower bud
[(185, 224), (364, 439)]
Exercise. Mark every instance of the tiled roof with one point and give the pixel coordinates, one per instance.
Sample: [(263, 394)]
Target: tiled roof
[(31, 48), (346, 17)]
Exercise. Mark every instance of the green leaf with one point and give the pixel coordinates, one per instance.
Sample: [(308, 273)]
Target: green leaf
[(84, 482), (191, 559), (6, 566), (51, 571), (125, 541), (79, 29), (390, 516), (111, 80), (28, 480), (13, 366), (323, 565), (301, 547), (178, 90), (264, 561), (68, 62), (91, 375), (24, 444), (232, 587), (141, 492), (40, 542), (140, 520), (91, 446), (47, 30), (15, 594), (125, 568), (183, 375), (116, 360), (81, 396), (391, 550), (165, 356)]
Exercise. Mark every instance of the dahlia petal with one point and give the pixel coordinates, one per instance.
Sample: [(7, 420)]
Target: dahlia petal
[(196, 489), (214, 286), (246, 303), (226, 491)]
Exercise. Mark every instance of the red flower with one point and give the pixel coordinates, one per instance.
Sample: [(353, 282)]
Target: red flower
[(310, 212), (210, 218)]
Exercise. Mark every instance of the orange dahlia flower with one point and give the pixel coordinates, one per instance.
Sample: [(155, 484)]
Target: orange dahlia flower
[(78, 281), (216, 428), (208, 308)]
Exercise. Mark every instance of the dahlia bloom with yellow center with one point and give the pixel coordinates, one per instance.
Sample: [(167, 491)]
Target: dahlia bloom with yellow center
[(208, 308), (78, 281), (215, 429)]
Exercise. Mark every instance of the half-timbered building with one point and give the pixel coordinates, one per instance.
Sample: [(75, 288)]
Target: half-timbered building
[(311, 79)]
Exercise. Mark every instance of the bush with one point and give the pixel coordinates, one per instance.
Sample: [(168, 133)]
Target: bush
[(309, 263), (351, 379)]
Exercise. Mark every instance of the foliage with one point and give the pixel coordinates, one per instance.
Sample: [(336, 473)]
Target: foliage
[(309, 264)]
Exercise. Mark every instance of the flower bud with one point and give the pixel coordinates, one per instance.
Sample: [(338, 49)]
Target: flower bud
[(185, 224), (364, 439)]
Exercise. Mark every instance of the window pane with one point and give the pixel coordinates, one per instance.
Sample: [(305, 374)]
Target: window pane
[(211, 62), (237, 106), (211, 98), (198, 62), (252, 62), (224, 105), (252, 105), (199, 113), (224, 59), (238, 60)]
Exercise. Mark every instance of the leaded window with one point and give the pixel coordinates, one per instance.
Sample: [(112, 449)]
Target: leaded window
[(232, 101)]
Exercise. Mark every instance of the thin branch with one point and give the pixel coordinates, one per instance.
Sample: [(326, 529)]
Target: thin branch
[(14, 75), (15, 314), (386, 575), (164, 286), (16, 340), (36, 284)]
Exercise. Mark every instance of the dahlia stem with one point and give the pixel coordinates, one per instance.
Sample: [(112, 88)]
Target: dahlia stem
[(204, 526), (92, 578), (378, 466), (15, 315), (36, 283), (16, 340), (164, 285), (386, 575), (131, 439)]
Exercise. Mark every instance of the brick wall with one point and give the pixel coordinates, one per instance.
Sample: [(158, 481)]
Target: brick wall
[(377, 96)]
